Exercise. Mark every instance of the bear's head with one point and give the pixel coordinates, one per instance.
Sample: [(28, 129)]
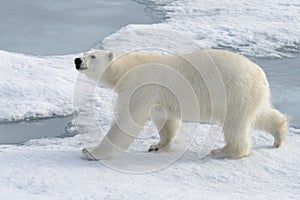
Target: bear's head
[(93, 63)]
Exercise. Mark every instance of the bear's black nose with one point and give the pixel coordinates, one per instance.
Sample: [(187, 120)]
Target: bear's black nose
[(77, 62)]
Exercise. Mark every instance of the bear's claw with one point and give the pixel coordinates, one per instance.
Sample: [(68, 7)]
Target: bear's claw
[(155, 148), (87, 155)]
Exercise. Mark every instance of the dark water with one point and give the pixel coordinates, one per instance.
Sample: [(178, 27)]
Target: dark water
[(17, 132), (65, 26), (284, 79)]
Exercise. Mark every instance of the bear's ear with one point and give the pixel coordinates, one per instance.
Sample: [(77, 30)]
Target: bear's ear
[(111, 55)]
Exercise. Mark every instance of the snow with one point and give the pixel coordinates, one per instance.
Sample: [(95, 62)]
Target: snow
[(35, 87), (254, 28), (43, 86), (54, 169)]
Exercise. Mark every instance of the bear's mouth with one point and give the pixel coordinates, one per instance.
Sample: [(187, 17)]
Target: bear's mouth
[(82, 68)]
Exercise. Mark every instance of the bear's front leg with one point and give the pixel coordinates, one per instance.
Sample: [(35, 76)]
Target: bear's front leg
[(114, 143), (166, 134), (89, 152)]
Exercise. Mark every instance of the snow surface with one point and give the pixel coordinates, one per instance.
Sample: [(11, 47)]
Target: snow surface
[(53, 169), (268, 28), (35, 87)]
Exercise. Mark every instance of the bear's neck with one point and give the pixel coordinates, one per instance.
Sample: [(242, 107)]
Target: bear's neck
[(124, 63)]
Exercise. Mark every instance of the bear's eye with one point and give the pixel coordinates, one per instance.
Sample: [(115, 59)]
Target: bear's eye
[(93, 56)]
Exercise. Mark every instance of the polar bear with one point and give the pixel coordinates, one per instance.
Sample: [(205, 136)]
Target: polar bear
[(246, 98)]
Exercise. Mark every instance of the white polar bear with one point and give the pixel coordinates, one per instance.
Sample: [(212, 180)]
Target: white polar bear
[(247, 98)]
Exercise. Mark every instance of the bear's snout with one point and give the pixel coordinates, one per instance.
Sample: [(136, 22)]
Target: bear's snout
[(77, 62)]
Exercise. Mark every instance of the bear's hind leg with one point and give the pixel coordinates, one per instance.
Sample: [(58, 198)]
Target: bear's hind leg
[(273, 122), (236, 135), (167, 133)]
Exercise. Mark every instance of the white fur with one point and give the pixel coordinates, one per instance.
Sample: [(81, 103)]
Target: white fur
[(246, 98)]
